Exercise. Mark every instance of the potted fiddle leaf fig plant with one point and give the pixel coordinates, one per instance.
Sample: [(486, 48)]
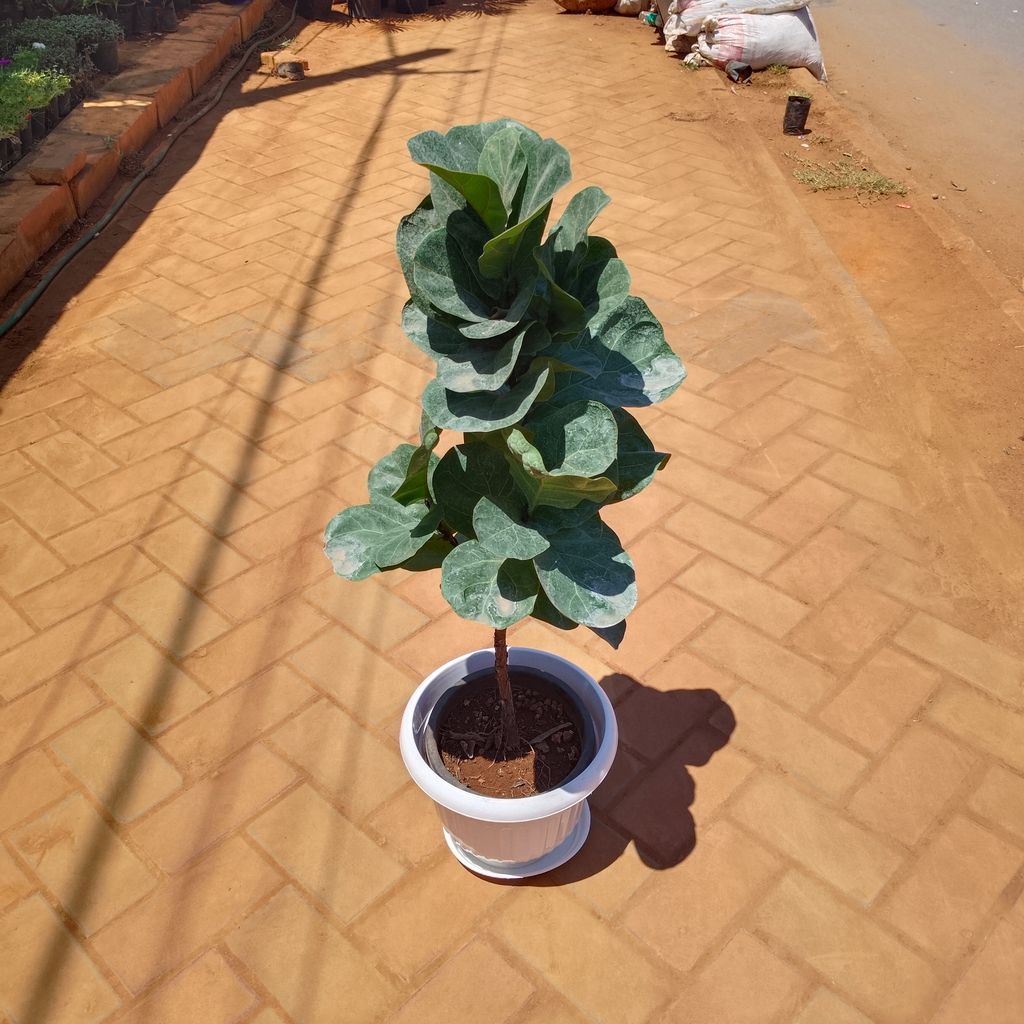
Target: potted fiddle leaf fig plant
[(539, 351)]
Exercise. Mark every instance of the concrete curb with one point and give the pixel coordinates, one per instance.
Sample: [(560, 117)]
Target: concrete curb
[(76, 163)]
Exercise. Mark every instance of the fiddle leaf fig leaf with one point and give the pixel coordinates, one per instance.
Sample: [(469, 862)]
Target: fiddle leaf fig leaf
[(483, 410), (544, 610), (547, 170), (567, 315), (503, 161), (364, 539), (637, 367), (568, 238), (442, 276), (636, 461), (430, 556), (462, 366), (500, 254), (612, 635), (603, 286), (486, 587), (579, 439), (502, 323), (412, 229), (498, 527), (587, 575), (403, 474), (468, 473)]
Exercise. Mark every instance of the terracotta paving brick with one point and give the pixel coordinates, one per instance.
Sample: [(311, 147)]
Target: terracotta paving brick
[(159, 933), (880, 699), (745, 596), (980, 722), (737, 544), (684, 910), (872, 968), (907, 791), (820, 567), (846, 855), (83, 587), (768, 666), (983, 664), (14, 883), (28, 784), (780, 462), (554, 935), (41, 501), (58, 847), (24, 562), (869, 481), (324, 742), (827, 1008), (992, 988), (189, 824), (848, 625), (1000, 798), (30, 932), (769, 731), (208, 989), (171, 614), (341, 985), (144, 683), (769, 986), (886, 528), (70, 458), (192, 553), (952, 887), (55, 649)]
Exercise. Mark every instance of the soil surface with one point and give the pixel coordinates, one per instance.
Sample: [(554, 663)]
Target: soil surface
[(548, 725)]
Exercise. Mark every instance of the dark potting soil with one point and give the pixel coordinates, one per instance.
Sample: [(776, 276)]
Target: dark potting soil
[(549, 731)]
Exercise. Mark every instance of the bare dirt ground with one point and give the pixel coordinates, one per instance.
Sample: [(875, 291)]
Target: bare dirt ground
[(955, 315)]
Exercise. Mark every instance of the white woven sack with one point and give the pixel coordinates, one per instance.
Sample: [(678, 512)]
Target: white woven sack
[(686, 17), (787, 38)]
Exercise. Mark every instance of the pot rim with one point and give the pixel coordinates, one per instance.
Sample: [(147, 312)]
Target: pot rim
[(502, 809)]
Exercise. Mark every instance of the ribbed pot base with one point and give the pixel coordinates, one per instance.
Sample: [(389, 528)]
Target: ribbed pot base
[(564, 851)]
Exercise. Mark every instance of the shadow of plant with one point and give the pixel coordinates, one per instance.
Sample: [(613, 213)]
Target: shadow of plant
[(646, 799)]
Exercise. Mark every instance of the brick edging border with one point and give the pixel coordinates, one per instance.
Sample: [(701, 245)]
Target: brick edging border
[(58, 183)]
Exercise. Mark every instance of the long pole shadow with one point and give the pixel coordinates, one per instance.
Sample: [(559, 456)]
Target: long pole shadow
[(97, 847)]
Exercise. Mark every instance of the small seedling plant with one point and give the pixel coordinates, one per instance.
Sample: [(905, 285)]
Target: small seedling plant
[(540, 351)]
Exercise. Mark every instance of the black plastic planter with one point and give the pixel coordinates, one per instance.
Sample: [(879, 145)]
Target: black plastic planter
[(52, 114), (182, 6), (167, 19), (39, 124), (105, 57), (10, 153), (411, 6), (64, 104), (27, 137), (145, 20), (315, 10), (795, 120), (435, 3), (126, 18), (364, 9)]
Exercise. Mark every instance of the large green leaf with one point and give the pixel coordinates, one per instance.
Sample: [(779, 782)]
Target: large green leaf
[(462, 365), (636, 460), (487, 588), (430, 556), (503, 321), (544, 610), (499, 527), (402, 474), (483, 410), (501, 253), (612, 635), (412, 229), (636, 365), (364, 539), (466, 474), (568, 238), (579, 439), (543, 488), (503, 161), (444, 278), (547, 170), (587, 575), (566, 312), (602, 286)]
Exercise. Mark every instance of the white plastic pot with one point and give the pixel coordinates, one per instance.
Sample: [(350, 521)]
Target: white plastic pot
[(512, 838)]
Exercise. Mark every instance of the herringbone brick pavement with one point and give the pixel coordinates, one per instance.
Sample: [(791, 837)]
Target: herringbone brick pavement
[(817, 814)]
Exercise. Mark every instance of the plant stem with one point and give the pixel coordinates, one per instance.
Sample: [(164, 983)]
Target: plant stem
[(509, 727)]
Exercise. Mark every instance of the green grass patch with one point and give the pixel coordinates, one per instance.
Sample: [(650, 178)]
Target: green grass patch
[(840, 175)]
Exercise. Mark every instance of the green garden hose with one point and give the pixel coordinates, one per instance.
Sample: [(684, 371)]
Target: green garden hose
[(68, 255)]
